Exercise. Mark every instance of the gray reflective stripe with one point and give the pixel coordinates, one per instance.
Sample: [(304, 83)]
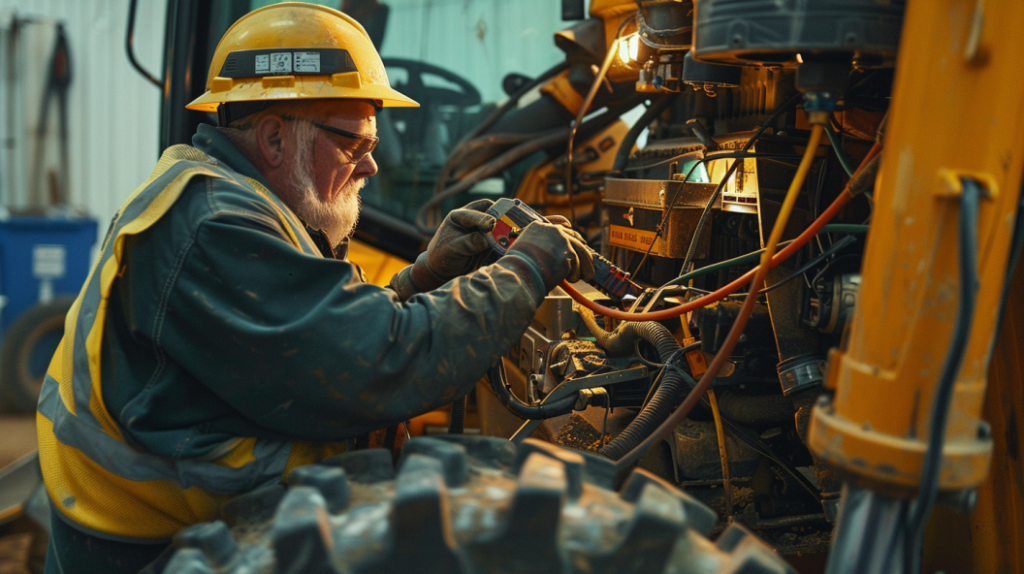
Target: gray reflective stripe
[(83, 432), (81, 381), (121, 459)]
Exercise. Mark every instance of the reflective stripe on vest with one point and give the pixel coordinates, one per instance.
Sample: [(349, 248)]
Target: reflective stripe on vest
[(93, 475)]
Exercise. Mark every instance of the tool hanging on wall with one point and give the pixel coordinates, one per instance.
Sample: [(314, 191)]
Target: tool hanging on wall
[(57, 84)]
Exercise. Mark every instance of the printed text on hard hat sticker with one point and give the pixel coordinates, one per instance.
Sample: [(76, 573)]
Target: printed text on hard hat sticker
[(308, 62)]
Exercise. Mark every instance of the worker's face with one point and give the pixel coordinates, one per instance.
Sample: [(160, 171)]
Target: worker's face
[(325, 181), (334, 172)]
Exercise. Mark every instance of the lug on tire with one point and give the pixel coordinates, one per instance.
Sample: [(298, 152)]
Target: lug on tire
[(470, 505), (28, 346)]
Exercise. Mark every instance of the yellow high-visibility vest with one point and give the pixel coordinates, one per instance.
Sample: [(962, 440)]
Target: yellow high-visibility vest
[(95, 477)]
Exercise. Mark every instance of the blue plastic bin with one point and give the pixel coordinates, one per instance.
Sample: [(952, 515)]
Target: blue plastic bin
[(42, 256)]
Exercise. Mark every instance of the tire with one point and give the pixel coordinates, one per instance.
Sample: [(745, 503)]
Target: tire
[(470, 505), (28, 346)]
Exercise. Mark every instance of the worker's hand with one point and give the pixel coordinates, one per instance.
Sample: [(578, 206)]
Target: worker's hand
[(456, 249), (460, 241), (559, 252)]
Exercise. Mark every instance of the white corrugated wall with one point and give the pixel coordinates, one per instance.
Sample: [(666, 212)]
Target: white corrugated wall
[(113, 112)]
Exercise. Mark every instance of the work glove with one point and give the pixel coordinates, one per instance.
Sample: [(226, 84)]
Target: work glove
[(558, 252), (459, 242), (456, 249)]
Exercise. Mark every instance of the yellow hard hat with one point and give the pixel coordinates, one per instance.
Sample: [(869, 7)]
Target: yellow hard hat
[(295, 51)]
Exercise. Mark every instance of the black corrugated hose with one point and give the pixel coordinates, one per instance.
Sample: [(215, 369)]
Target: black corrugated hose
[(620, 342), (653, 111), (457, 419)]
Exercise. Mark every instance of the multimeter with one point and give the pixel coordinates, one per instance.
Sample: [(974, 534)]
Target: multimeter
[(513, 216)]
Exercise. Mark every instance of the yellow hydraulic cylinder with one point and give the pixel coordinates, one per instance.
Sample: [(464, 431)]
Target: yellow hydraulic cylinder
[(957, 112)]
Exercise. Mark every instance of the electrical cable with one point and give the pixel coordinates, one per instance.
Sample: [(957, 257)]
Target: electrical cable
[(489, 121), (543, 410), (497, 164), (816, 204), (751, 439), (834, 227), (651, 364), (609, 57), (838, 245), (1016, 249), (604, 423), (653, 388), (656, 108), (837, 146), (754, 441), (721, 292), (485, 170), (732, 168), (621, 342), (693, 168), (853, 187), (728, 154), (745, 311), (932, 463), (721, 451)]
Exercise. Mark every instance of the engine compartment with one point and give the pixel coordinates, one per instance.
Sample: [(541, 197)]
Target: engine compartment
[(727, 123)]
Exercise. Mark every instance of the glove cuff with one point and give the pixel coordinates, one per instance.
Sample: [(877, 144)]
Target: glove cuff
[(423, 277), (401, 283)]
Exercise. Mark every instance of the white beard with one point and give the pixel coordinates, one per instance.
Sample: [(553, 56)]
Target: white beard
[(336, 218)]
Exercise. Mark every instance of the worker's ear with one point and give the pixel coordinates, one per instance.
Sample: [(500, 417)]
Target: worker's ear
[(269, 138)]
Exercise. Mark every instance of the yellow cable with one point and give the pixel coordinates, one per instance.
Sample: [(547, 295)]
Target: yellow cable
[(766, 257), (721, 452), (792, 194)]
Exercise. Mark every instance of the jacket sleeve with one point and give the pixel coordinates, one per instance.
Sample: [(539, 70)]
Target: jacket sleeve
[(300, 346)]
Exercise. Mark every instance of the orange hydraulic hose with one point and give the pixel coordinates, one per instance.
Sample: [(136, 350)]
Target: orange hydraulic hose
[(731, 288)]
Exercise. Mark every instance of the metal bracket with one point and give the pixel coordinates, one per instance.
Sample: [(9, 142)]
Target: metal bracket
[(575, 386), (952, 184)]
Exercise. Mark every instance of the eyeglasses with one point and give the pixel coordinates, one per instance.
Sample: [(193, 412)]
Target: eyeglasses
[(365, 144)]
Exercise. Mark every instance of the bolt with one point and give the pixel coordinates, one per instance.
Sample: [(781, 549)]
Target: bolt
[(962, 501), (968, 500)]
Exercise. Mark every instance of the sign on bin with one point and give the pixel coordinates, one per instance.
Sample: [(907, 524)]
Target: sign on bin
[(48, 261), (48, 266)]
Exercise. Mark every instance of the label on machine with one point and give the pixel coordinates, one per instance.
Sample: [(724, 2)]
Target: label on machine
[(639, 239)]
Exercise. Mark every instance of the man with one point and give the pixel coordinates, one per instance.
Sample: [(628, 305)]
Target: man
[(218, 342)]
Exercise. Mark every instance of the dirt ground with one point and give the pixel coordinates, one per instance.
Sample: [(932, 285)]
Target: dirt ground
[(17, 437), (22, 545)]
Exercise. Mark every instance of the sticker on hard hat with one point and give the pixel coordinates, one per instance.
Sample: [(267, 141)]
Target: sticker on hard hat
[(307, 62), (278, 62), (281, 63)]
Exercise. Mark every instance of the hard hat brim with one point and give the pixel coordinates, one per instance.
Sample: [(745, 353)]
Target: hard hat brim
[(297, 88)]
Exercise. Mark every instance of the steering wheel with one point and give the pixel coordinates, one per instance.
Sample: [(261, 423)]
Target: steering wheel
[(417, 89)]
